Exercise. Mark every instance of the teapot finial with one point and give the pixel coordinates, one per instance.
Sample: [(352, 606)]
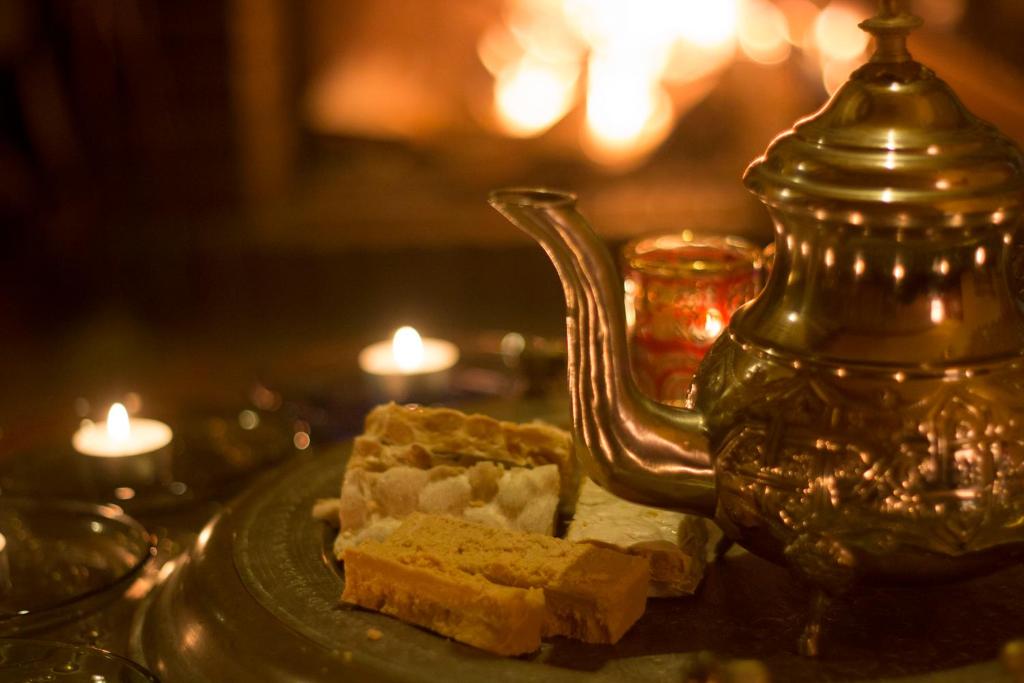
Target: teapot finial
[(890, 27)]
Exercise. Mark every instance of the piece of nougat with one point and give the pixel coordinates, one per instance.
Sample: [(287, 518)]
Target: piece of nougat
[(674, 543), (373, 504)]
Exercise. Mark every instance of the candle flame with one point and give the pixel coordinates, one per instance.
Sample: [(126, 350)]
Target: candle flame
[(627, 115), (840, 43), (407, 347), (763, 32), (713, 323), (533, 96), (837, 34), (118, 425), (617, 58)]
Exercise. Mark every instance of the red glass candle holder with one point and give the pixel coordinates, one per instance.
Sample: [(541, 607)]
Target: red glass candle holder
[(681, 291)]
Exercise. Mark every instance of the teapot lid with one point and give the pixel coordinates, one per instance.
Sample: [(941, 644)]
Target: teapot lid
[(894, 146)]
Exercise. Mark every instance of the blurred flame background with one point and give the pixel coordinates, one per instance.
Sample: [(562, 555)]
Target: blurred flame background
[(178, 163), (632, 70), (637, 67)]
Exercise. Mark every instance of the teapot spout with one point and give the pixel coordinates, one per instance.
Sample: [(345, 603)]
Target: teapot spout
[(638, 449)]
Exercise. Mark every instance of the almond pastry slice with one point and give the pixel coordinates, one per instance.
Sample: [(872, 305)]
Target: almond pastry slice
[(425, 437), (428, 592), (591, 593)]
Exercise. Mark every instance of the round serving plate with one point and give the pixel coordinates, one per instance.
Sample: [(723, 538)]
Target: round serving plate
[(257, 599)]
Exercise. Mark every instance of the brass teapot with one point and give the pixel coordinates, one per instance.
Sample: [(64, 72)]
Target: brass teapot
[(861, 420)]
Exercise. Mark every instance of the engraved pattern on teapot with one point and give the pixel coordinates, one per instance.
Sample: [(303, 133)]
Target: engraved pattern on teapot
[(933, 464)]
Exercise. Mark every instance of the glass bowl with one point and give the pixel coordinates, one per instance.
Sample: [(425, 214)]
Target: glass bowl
[(39, 660), (62, 560)]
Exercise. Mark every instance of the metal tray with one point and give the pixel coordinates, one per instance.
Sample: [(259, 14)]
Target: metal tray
[(257, 599)]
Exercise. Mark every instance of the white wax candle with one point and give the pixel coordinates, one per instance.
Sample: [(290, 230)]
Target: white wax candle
[(408, 354), (121, 436)]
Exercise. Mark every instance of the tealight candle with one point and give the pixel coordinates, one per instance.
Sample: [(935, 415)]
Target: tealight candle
[(408, 365), (124, 451), (121, 436)]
